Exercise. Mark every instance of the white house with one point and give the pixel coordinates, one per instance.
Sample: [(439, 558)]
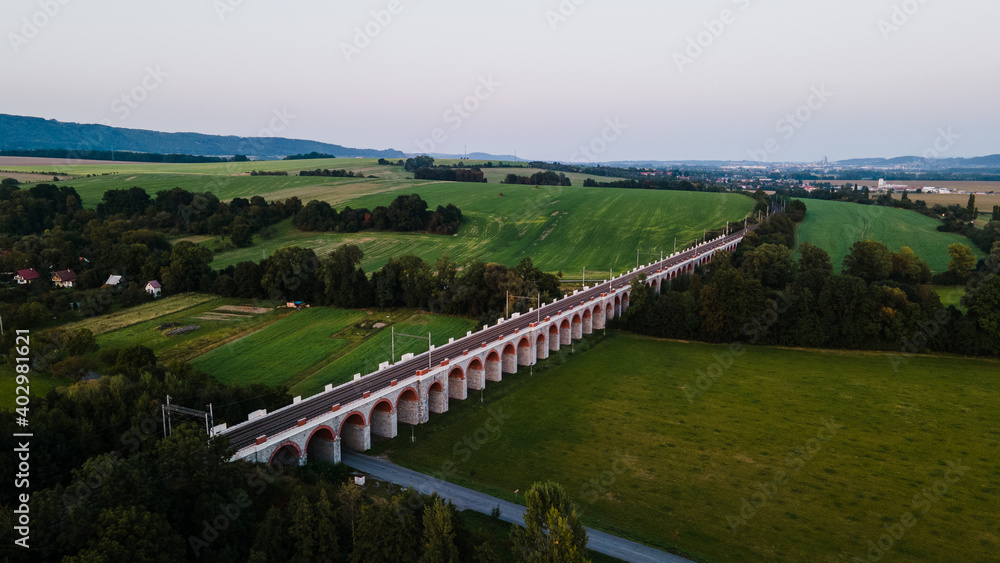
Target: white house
[(64, 278), (26, 276), (153, 288)]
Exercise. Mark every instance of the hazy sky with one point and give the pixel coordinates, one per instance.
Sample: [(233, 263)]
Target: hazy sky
[(555, 80)]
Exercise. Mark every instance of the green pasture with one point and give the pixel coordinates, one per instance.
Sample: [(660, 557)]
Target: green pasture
[(616, 428), (376, 348), (215, 327), (834, 226), (281, 351)]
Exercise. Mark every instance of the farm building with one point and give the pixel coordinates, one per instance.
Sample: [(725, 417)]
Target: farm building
[(64, 278), (153, 288), (26, 276), (114, 281)]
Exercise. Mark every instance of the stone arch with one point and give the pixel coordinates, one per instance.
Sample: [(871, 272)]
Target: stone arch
[(609, 314), (599, 319), (355, 434), (565, 333), (577, 327), (553, 338), (588, 321), (524, 352), (625, 301), (494, 371), (437, 398), (541, 350), (508, 359), (457, 387), (618, 306), (322, 445), (408, 407), (476, 375), (383, 418), (288, 454)]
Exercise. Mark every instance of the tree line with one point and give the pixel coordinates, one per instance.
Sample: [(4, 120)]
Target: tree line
[(543, 178), (405, 214), (760, 294), (122, 156)]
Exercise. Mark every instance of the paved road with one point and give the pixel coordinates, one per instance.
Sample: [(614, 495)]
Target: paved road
[(243, 435), (467, 499)]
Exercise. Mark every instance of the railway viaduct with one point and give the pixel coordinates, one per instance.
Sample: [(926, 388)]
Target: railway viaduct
[(408, 392)]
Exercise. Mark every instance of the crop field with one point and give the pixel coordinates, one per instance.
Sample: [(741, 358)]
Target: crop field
[(835, 226), (984, 203), (140, 313), (565, 229), (376, 347), (215, 326), (281, 351), (841, 445)]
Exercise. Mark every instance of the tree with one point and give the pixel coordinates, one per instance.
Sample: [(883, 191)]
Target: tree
[(131, 534), (984, 307), (439, 535), (327, 547), (291, 274), (962, 263), (869, 260), (552, 531), (970, 208), (814, 258), (345, 283), (189, 263), (771, 264), (908, 268), (301, 529), (728, 303)]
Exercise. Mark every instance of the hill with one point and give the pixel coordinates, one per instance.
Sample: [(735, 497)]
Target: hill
[(30, 133), (834, 226)]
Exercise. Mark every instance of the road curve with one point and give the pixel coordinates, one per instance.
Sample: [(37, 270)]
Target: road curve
[(467, 499), (246, 433)]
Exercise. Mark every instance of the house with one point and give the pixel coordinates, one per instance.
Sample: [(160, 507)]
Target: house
[(65, 278), (114, 281), (26, 276), (153, 288)]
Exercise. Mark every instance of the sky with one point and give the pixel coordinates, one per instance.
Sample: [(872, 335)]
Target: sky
[(557, 80)]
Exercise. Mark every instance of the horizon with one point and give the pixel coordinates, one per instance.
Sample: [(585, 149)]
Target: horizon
[(571, 81)]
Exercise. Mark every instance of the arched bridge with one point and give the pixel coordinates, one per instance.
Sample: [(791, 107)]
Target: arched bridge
[(408, 392)]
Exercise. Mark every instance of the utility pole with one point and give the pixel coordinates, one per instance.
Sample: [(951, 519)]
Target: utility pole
[(584, 285), (393, 345)]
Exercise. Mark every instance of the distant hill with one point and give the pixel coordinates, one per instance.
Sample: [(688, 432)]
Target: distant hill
[(991, 161), (28, 133)]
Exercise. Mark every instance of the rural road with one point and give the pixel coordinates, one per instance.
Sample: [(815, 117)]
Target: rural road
[(467, 499)]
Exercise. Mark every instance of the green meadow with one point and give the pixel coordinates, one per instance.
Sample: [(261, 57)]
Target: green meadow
[(839, 442), (834, 226)]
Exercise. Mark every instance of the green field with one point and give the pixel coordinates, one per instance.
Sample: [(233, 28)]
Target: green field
[(555, 226), (147, 311), (377, 348), (834, 226), (216, 327), (281, 351), (643, 461)]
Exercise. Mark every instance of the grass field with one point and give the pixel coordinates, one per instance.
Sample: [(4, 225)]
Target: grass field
[(216, 327), (281, 351), (835, 226), (643, 461), (140, 313), (376, 347), (557, 227), (40, 385)]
